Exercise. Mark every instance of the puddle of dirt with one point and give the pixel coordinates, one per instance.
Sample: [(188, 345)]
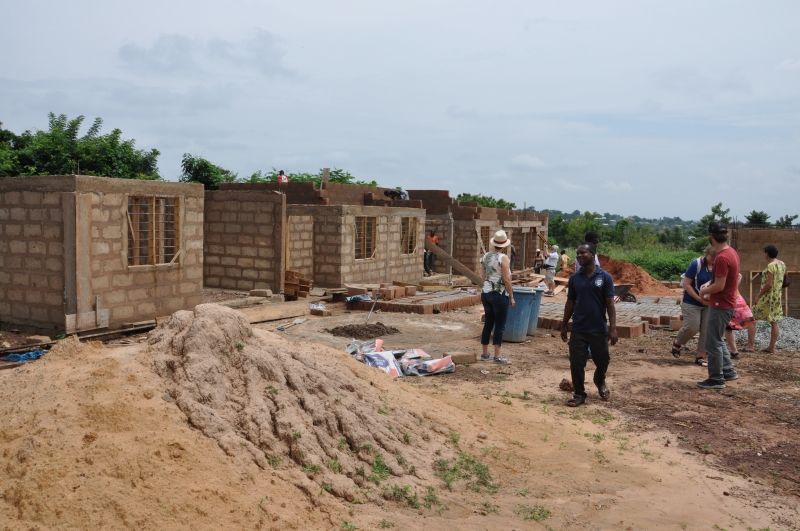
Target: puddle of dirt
[(363, 331)]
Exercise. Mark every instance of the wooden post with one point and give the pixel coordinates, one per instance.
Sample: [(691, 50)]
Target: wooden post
[(449, 260)]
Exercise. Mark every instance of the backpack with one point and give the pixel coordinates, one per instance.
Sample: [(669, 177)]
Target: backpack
[(699, 262), (786, 280)]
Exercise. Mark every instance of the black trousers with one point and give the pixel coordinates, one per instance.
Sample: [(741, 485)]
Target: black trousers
[(579, 345), (429, 258)]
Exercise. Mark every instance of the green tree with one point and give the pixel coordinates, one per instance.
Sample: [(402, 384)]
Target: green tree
[(786, 221), (557, 231), (486, 201), (621, 231), (700, 232), (335, 176), (673, 237), (757, 217), (196, 169), (60, 150), (578, 227)]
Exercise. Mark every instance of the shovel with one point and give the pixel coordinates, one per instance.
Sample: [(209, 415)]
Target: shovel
[(295, 322)]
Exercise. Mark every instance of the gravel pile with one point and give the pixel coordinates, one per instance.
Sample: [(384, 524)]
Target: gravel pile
[(789, 338)]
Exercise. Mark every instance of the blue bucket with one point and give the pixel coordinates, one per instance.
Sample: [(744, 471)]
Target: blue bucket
[(533, 321), (519, 315)]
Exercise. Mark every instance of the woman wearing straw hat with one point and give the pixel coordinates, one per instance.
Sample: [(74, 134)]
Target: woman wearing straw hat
[(497, 296)]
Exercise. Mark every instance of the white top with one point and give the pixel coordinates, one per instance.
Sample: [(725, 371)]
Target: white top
[(493, 272), (552, 260)]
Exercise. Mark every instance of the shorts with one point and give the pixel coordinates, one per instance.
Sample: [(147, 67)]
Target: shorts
[(550, 275)]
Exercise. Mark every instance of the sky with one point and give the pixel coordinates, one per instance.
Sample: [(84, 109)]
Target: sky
[(636, 108)]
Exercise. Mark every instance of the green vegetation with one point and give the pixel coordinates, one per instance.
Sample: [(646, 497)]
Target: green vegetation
[(335, 176), (348, 527), (486, 201), (196, 169), (386, 524), (465, 467), (60, 151), (379, 470), (536, 512), (239, 347)]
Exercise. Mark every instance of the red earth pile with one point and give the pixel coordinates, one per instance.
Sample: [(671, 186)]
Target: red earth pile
[(627, 273)]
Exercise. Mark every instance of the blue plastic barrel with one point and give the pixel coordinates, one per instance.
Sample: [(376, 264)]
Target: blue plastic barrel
[(519, 315), (534, 318)]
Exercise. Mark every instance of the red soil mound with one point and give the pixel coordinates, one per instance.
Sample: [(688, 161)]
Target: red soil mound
[(627, 273)]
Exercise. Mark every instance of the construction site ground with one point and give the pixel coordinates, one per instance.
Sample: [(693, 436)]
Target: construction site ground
[(660, 454)]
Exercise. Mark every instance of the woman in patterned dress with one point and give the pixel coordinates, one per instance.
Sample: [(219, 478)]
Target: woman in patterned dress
[(767, 304)]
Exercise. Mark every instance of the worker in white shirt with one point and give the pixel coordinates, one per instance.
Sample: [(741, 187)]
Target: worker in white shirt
[(550, 271)]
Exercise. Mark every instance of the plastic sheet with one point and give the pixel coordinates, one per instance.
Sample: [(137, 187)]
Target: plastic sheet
[(384, 361), (26, 356), (357, 348)]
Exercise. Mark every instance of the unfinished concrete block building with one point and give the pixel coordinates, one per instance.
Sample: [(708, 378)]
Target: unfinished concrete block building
[(79, 252), (338, 235)]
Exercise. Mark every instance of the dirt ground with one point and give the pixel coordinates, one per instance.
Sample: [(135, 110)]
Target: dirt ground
[(91, 438)]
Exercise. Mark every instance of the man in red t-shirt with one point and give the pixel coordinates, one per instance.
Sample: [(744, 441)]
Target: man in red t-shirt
[(721, 295)]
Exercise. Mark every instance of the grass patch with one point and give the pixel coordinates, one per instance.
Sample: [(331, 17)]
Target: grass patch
[(466, 467), (379, 470), (536, 512)]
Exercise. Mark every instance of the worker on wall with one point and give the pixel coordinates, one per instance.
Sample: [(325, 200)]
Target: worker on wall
[(429, 258)]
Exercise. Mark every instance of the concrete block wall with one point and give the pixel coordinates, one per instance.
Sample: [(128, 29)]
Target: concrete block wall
[(72, 251), (750, 243), (334, 245), (31, 259), (137, 293), (244, 240), (301, 244)]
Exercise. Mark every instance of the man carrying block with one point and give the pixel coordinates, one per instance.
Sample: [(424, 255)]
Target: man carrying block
[(590, 296)]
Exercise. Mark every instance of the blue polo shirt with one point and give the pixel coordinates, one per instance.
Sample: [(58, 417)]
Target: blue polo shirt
[(590, 294)]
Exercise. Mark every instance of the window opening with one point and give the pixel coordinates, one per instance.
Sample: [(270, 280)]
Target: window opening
[(486, 235), (365, 237), (153, 231), (408, 235)]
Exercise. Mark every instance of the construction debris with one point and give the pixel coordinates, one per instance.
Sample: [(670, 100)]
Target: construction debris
[(363, 331), (295, 284)]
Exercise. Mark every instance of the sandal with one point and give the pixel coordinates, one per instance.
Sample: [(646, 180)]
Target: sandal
[(576, 400), (502, 361), (700, 360), (748, 350), (767, 351), (486, 357), (605, 392), (676, 350)]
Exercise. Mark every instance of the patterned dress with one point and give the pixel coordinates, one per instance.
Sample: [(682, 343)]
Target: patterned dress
[(769, 305)]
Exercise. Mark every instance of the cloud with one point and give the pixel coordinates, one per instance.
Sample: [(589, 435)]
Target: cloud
[(688, 81), (623, 186), (182, 55), (793, 169), (527, 162), (574, 187), (789, 64)]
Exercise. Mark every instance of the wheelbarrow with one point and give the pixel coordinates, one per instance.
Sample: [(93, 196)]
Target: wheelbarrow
[(623, 291)]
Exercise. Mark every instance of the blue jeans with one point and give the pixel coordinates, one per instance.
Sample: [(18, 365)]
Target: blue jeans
[(495, 307), (720, 366)]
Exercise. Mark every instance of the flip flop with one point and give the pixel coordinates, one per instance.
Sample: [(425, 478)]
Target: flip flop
[(576, 400), (767, 351), (748, 350)]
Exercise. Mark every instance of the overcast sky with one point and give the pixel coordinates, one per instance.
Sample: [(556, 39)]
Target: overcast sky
[(630, 107)]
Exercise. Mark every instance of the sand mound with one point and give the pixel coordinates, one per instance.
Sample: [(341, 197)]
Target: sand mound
[(365, 331), (280, 402), (627, 273)]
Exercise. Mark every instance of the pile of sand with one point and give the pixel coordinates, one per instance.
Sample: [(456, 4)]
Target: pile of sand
[(363, 331), (278, 403), (95, 438), (627, 273)]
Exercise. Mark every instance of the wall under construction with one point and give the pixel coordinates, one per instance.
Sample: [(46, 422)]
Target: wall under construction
[(750, 243), (79, 252), (244, 240), (360, 244)]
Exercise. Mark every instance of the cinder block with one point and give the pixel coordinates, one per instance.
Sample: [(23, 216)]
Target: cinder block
[(675, 324), (353, 290), (664, 320), (321, 313), (261, 293), (462, 358)]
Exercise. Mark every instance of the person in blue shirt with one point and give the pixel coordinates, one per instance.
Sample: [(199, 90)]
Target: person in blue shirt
[(694, 309), (590, 297)]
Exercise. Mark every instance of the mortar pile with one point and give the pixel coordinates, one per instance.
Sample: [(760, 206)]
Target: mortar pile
[(279, 404)]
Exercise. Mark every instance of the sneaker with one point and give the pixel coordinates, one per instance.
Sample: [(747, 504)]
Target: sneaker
[(731, 378), (734, 355), (710, 384), (486, 357)]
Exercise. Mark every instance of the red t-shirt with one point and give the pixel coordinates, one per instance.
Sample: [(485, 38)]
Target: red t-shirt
[(726, 264)]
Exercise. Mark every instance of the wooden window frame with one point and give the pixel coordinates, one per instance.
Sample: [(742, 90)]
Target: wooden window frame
[(409, 230), (153, 227), (365, 235)]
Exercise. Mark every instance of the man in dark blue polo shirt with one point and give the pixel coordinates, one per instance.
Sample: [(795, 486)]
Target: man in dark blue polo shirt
[(590, 295)]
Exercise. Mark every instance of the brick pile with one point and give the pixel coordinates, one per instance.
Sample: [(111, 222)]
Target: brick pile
[(423, 303), (633, 318)]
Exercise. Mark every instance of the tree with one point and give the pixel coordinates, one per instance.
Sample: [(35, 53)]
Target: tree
[(786, 221), (757, 217), (335, 176), (557, 230), (60, 150), (578, 227), (486, 201), (673, 237), (196, 169)]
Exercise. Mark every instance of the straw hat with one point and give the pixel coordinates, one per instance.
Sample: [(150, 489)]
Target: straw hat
[(500, 239)]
